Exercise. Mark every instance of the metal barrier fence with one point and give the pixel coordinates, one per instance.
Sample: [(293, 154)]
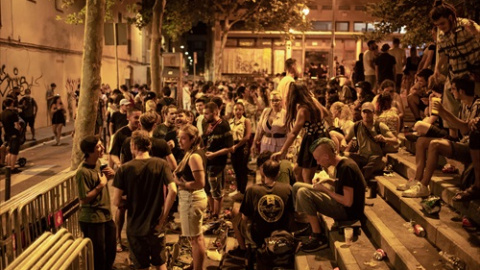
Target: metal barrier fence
[(46, 207), (56, 251)]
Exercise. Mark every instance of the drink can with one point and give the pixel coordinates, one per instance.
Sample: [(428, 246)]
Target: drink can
[(379, 254), (418, 230)]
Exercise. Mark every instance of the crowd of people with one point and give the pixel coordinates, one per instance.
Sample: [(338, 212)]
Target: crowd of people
[(168, 155)]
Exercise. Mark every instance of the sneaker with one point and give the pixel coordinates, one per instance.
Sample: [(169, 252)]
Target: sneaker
[(416, 191), (314, 243), (238, 252), (407, 185)]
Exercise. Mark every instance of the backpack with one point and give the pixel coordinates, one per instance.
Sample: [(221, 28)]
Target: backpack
[(277, 251), (369, 134)]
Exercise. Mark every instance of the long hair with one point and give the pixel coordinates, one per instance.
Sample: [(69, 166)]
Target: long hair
[(194, 135), (298, 94), (264, 95)]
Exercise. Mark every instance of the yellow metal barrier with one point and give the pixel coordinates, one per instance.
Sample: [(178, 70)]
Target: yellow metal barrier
[(48, 206)]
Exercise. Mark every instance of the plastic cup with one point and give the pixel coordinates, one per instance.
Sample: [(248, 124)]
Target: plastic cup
[(435, 100), (348, 235)]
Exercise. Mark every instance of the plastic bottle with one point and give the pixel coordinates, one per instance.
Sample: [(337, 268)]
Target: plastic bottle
[(452, 262)]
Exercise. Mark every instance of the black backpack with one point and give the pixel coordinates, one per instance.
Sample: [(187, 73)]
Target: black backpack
[(277, 251)]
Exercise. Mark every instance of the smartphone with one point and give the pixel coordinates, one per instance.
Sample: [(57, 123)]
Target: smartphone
[(103, 166)]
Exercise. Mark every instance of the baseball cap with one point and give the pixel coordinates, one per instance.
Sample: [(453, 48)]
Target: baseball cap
[(368, 106), (124, 102)]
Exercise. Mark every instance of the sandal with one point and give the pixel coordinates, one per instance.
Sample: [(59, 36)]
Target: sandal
[(471, 193)]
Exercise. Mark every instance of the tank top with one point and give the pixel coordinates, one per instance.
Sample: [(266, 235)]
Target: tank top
[(187, 173)]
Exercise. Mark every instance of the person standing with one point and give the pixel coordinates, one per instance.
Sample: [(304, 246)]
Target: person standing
[(11, 126), (400, 60), (218, 141), (119, 118), (95, 216), (190, 178), (284, 84), (58, 118), (369, 62), (271, 131), (49, 97), (461, 58), (241, 132), (143, 180), (358, 70), (29, 111), (385, 65)]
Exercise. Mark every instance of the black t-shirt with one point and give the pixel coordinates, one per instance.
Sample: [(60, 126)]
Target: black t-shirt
[(142, 180), (350, 175), (385, 63), (159, 149), (217, 139), (118, 120), (269, 208), (187, 173), (118, 139), (162, 130), (9, 118)]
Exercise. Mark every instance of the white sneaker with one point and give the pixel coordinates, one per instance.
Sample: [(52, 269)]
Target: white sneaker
[(416, 191), (408, 185)]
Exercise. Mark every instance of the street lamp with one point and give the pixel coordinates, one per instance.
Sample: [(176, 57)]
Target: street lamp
[(182, 47), (186, 53), (305, 12)]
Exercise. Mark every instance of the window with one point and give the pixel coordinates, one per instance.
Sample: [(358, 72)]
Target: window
[(341, 26), (321, 26), (326, 7), (360, 8), (359, 27), (312, 6), (344, 7), (246, 42), (370, 27)]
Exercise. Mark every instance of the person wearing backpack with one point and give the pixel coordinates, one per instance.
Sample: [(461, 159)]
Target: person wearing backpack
[(29, 111), (372, 139)]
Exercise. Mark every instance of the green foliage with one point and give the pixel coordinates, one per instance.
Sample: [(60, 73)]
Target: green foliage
[(78, 17), (414, 16)]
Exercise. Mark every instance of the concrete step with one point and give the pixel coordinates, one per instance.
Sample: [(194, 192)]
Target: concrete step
[(404, 249), (443, 231), (443, 185), (359, 255)]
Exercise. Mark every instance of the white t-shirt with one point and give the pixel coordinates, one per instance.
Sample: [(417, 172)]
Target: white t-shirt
[(284, 86), (399, 55), (368, 64)]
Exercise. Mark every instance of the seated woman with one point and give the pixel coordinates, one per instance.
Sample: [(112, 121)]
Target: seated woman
[(388, 87), (387, 114), (342, 123)]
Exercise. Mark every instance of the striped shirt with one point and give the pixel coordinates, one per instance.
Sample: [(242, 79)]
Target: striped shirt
[(461, 47)]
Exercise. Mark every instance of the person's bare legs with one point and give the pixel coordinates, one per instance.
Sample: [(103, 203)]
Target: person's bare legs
[(307, 174), (421, 156), (413, 102), (314, 223), (297, 171), (59, 132), (437, 147), (119, 222), (198, 251)]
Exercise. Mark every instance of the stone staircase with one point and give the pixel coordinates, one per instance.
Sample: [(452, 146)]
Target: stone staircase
[(387, 226)]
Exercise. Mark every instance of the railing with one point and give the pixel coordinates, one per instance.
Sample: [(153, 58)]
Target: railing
[(56, 251), (46, 207)]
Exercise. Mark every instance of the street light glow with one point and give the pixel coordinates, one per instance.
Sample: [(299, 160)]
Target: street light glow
[(186, 53), (182, 47), (305, 11)]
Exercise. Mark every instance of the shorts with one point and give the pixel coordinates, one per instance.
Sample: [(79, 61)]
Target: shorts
[(30, 121), (13, 142), (191, 207), (461, 152), (474, 143), (215, 181), (436, 132), (146, 250)]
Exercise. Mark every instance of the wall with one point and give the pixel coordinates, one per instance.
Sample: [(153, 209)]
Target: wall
[(36, 50)]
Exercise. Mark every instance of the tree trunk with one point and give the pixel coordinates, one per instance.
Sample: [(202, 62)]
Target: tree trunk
[(223, 42), (90, 78), (155, 66)]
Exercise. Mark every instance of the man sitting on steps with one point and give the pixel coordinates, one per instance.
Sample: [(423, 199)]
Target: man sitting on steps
[(463, 89), (346, 202)]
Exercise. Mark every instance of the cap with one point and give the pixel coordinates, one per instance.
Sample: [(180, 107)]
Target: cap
[(150, 95), (368, 106), (124, 102), (385, 47), (88, 144)]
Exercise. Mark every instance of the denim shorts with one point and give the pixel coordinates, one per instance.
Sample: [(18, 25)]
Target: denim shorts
[(191, 207)]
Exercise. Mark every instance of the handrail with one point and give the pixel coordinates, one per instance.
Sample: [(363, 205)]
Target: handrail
[(54, 250), (29, 251)]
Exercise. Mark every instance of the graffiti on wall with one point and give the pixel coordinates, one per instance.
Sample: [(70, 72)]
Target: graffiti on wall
[(10, 80)]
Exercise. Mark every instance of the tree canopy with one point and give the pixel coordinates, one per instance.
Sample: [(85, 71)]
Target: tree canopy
[(390, 16)]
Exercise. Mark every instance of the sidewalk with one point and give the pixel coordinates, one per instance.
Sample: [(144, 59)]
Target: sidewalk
[(45, 134)]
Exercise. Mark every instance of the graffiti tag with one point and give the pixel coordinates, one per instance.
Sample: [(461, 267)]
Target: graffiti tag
[(9, 81)]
